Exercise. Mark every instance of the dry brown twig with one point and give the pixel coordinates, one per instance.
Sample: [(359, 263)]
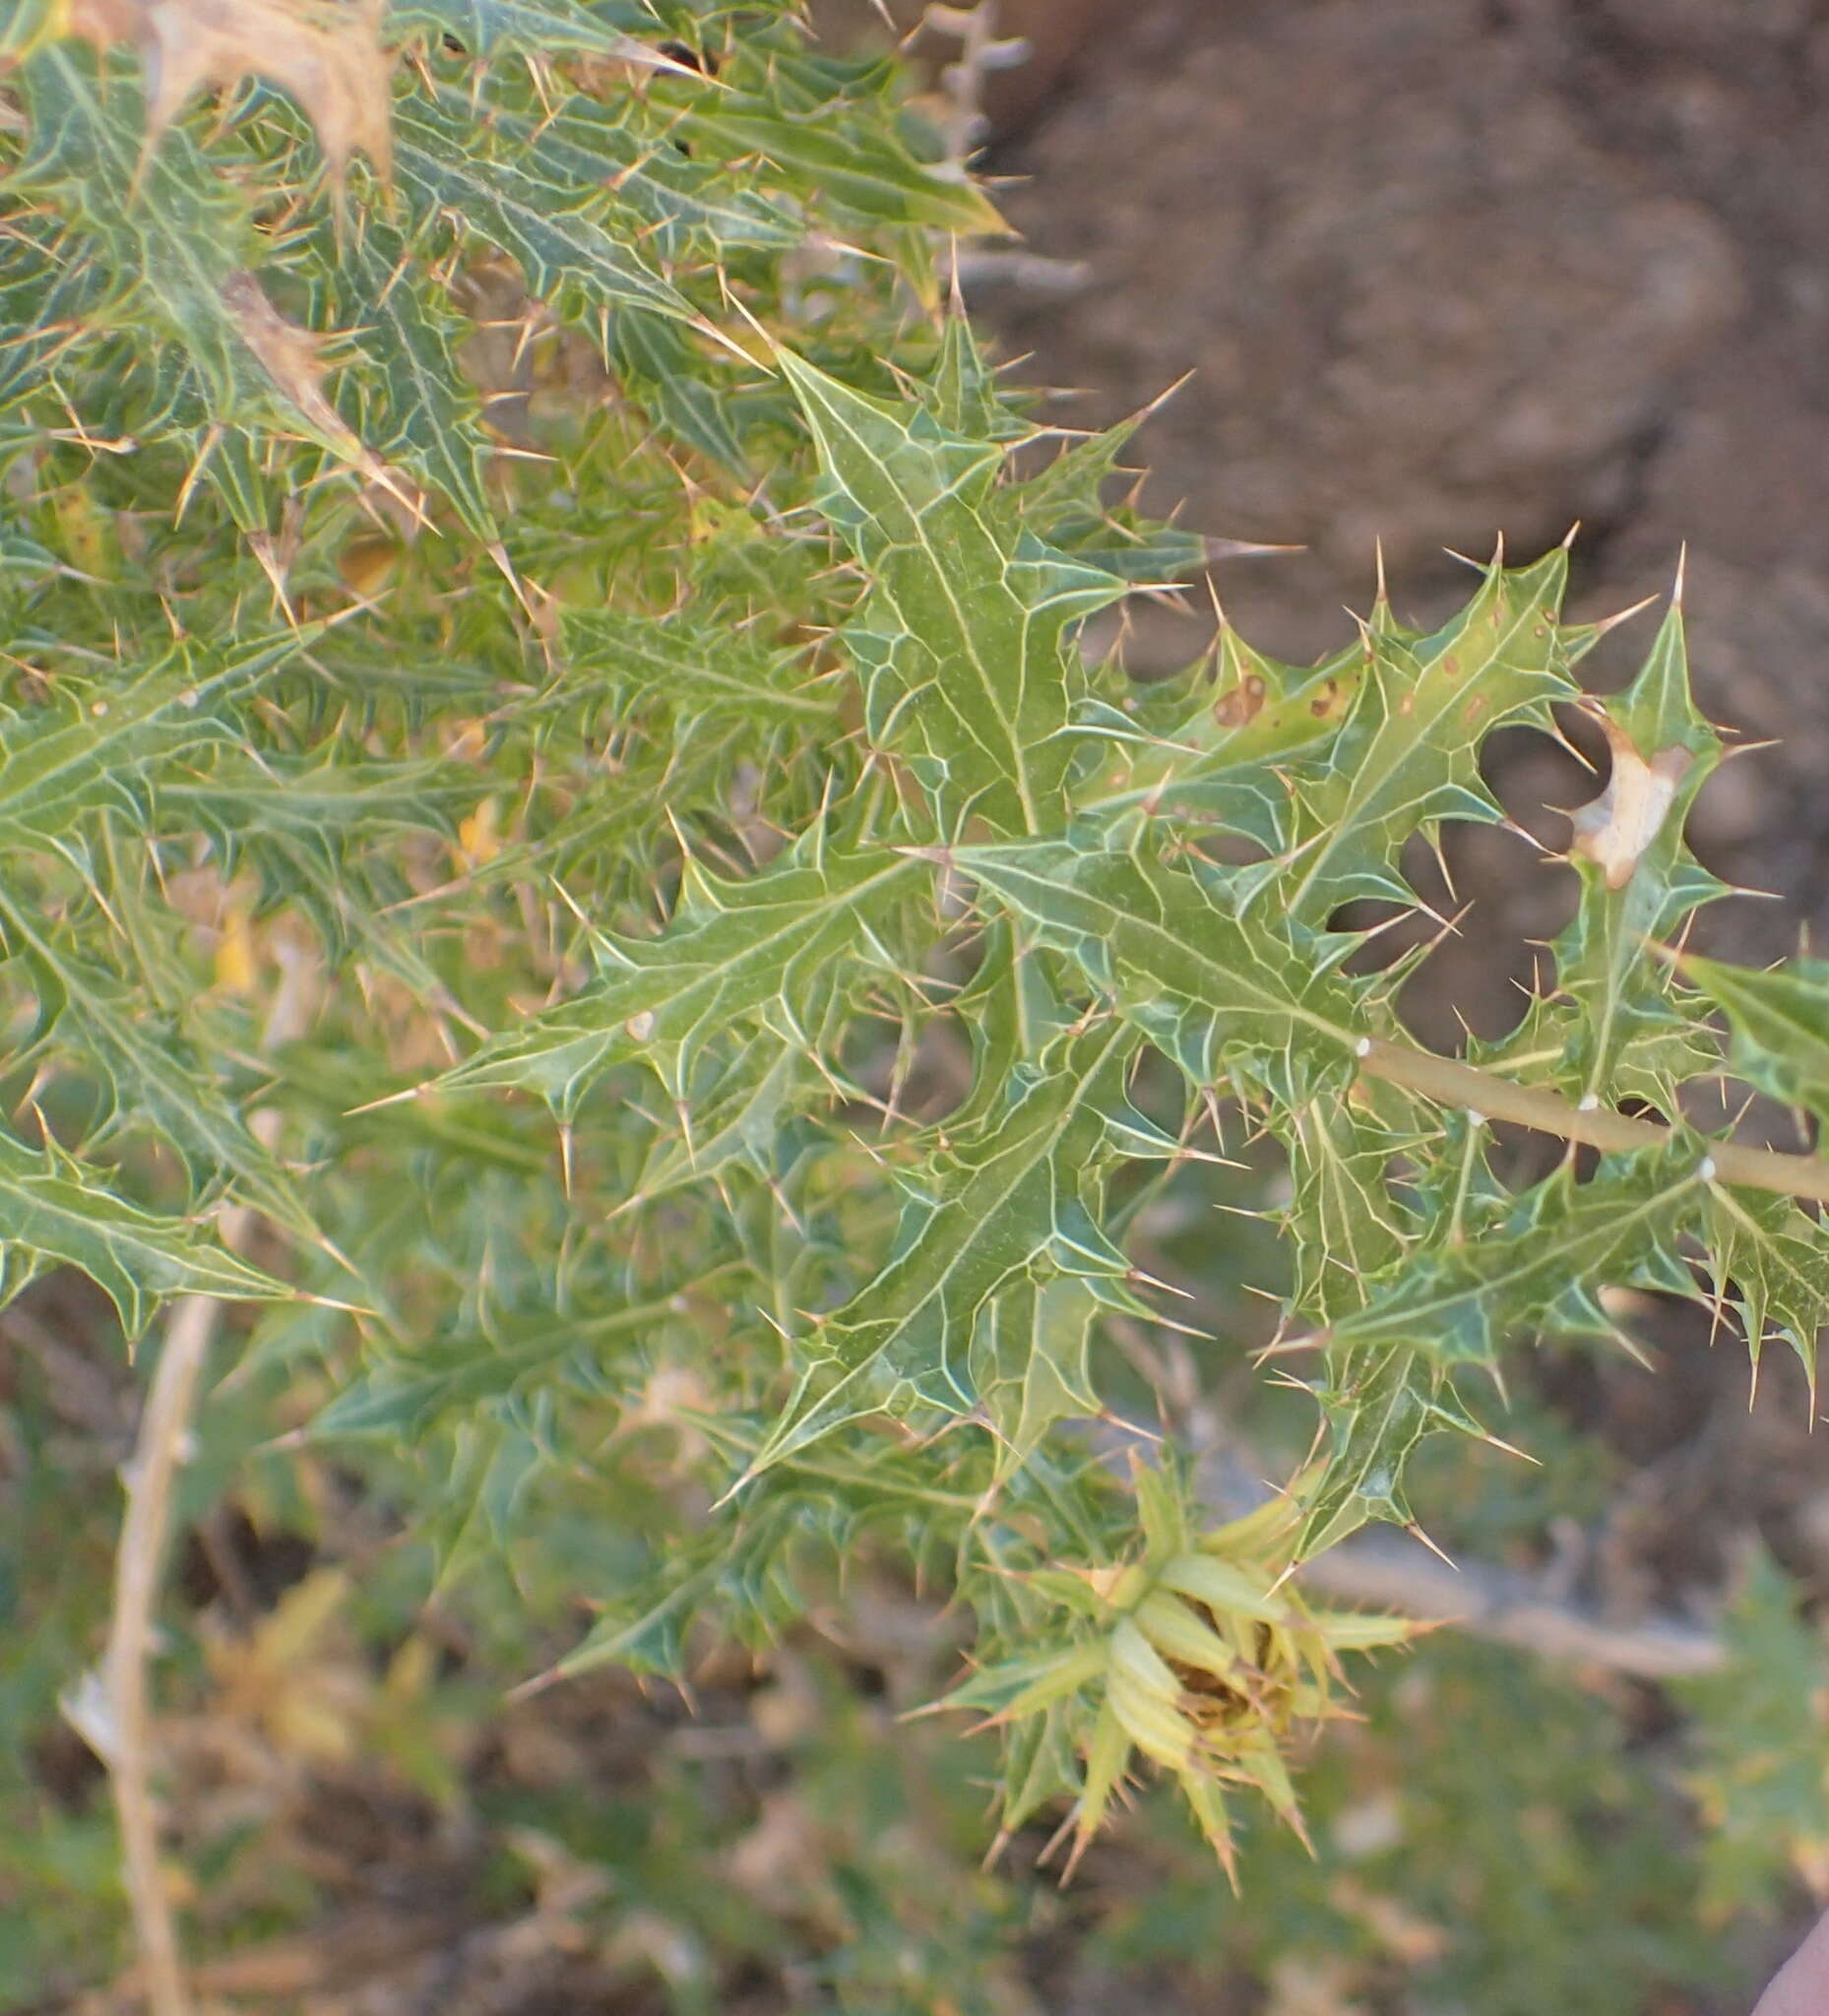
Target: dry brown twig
[(1385, 1569), (1381, 1568), (982, 52), (159, 1452)]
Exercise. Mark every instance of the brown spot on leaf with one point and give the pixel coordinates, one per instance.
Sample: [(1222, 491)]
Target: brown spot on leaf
[(1323, 705), (1244, 703)]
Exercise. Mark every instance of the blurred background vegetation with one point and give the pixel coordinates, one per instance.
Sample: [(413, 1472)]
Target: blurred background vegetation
[(1439, 266)]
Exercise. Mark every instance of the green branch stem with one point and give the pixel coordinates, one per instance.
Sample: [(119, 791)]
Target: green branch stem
[(1451, 1083)]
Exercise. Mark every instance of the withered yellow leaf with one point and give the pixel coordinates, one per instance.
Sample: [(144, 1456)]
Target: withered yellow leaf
[(237, 962), (479, 837)]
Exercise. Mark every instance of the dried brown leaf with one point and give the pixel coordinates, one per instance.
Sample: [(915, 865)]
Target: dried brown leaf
[(289, 356), (327, 53), (1614, 829)]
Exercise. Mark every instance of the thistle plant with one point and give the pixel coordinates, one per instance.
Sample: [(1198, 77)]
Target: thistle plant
[(504, 533)]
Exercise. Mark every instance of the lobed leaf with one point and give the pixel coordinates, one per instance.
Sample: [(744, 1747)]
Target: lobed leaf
[(147, 1076), (1406, 753), (1541, 1270), (961, 639), (54, 1212), (996, 1218), (855, 164), (99, 753), (1216, 991), (697, 666), (1780, 1026), (172, 231), (508, 193), (415, 411), (779, 945), (1769, 1259)]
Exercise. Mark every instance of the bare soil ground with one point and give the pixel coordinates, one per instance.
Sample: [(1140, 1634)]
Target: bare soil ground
[(1445, 268)]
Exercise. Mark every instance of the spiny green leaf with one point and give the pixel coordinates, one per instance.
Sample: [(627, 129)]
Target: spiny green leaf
[(1012, 1013), (1458, 1300), (961, 639), (1012, 1206), (1769, 1259), (1623, 1029), (1345, 1221), (349, 1090), (856, 166), (404, 1397), (653, 362), (1406, 754), (779, 944), (631, 161), (1543, 1269), (741, 1567), (103, 746), (500, 1456), (1215, 746), (1378, 1408), (740, 1110), (1065, 506), (1215, 991), (695, 666), (323, 805), (506, 196), (540, 27), (416, 413), (1030, 1363), (148, 1077), (962, 391), (1780, 1025), (646, 1632), (1072, 486), (53, 1211), (177, 230), (54, 296)]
